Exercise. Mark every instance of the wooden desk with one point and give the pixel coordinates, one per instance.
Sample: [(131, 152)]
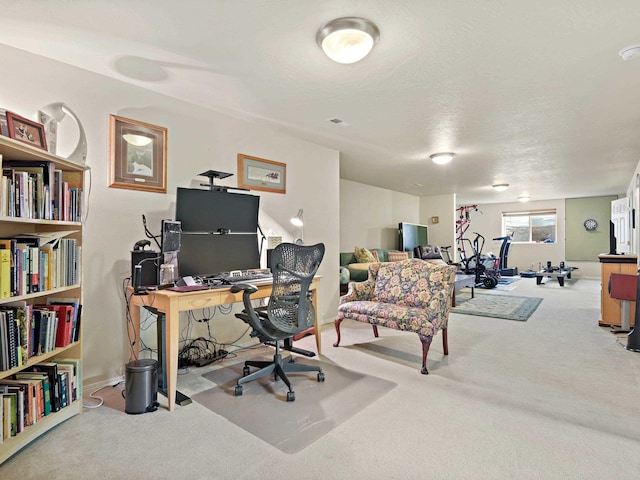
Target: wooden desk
[(172, 303)]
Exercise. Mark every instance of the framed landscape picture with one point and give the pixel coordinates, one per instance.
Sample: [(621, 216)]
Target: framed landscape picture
[(137, 155), (260, 174)]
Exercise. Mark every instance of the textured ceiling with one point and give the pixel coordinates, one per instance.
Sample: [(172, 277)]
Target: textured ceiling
[(532, 94)]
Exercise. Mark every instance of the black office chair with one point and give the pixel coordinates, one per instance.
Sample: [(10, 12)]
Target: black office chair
[(289, 312)]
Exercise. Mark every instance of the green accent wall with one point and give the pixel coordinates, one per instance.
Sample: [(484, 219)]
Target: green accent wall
[(581, 244)]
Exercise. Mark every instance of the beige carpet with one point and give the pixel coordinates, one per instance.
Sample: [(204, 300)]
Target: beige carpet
[(292, 426)]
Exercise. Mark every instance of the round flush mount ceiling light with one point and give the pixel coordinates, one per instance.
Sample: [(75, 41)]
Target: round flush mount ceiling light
[(524, 198), (442, 158), (630, 52), (500, 187), (347, 40)]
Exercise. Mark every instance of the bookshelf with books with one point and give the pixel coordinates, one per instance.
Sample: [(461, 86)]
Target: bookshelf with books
[(41, 206)]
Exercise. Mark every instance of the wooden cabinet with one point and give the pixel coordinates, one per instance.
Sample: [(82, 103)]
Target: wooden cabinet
[(610, 307), (59, 285)]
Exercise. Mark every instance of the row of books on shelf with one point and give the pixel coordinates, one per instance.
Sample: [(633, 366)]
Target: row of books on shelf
[(36, 189), (36, 392), (27, 331), (29, 264)]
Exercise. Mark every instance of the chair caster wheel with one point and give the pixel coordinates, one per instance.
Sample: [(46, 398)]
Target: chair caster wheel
[(245, 371), (321, 377), (238, 390), (291, 396)]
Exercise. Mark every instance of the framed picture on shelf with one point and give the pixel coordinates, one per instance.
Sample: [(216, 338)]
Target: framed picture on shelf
[(137, 155), (260, 174), (25, 130)]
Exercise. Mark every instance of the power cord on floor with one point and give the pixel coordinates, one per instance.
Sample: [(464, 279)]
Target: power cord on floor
[(100, 399)]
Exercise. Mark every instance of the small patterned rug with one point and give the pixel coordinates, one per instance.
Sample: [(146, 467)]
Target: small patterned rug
[(509, 307)]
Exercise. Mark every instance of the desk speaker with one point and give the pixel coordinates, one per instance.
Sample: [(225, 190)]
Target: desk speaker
[(148, 274)]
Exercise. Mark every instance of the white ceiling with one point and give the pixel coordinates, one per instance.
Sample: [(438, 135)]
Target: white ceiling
[(529, 93)]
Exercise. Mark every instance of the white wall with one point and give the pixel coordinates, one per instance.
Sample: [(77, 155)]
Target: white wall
[(198, 140), (442, 233), (369, 216)]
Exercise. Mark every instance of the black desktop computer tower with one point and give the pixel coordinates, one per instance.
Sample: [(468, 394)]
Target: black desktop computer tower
[(149, 262)]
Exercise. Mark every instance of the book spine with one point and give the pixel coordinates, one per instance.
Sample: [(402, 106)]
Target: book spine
[(5, 273)]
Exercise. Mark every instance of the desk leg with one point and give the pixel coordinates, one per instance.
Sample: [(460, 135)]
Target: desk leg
[(134, 331), (171, 349)]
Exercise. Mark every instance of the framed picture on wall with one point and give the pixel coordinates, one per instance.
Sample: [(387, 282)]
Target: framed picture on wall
[(25, 130), (137, 155), (257, 173)]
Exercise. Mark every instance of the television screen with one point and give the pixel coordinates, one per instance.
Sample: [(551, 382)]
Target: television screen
[(411, 235), (216, 211)]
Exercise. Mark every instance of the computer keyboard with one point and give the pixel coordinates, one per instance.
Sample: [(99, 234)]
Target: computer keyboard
[(219, 280), (242, 276)]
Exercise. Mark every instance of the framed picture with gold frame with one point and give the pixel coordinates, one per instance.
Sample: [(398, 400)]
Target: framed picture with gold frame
[(257, 173), (137, 155)]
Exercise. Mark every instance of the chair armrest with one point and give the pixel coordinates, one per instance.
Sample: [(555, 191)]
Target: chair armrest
[(358, 291), (247, 290)]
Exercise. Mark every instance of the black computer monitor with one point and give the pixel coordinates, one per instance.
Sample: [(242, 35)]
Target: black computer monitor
[(219, 231), (209, 254), (216, 211)]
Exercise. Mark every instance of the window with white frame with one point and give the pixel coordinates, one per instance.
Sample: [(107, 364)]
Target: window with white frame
[(530, 227)]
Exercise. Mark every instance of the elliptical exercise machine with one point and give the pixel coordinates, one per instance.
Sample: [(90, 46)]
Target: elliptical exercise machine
[(486, 269)]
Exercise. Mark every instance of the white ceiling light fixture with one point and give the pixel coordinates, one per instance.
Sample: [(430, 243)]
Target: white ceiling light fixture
[(500, 187), (630, 52), (442, 158), (347, 40), (524, 198)]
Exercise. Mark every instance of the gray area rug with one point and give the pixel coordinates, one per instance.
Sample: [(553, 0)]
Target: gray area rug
[(509, 307), (291, 426)]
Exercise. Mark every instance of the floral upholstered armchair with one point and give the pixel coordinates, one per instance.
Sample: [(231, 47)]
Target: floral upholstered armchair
[(411, 295)]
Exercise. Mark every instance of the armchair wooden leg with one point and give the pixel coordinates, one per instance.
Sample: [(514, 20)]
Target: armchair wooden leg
[(426, 343), (336, 323), (375, 330), (445, 341)]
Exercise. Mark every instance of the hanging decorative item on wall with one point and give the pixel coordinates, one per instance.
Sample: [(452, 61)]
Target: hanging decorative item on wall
[(590, 224), (137, 155), (259, 174)]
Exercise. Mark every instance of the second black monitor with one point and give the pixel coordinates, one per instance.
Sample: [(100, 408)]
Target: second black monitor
[(214, 211)]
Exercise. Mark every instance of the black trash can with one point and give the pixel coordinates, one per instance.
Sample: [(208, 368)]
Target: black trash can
[(141, 386)]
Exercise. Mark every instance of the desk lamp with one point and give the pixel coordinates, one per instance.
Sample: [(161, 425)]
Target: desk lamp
[(298, 221)]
